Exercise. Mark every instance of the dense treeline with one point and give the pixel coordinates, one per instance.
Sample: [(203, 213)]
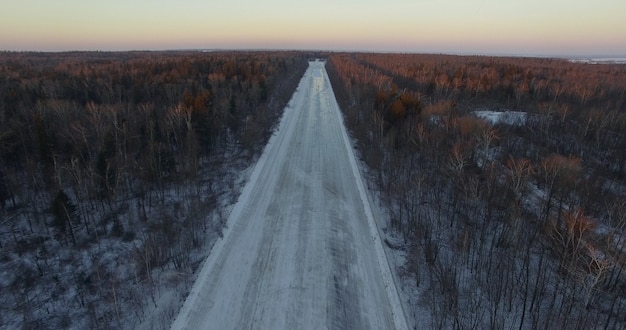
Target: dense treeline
[(512, 224), (111, 169)]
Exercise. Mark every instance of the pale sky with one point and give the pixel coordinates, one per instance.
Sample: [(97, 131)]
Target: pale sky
[(498, 27)]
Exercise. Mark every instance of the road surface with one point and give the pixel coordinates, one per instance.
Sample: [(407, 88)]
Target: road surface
[(301, 250)]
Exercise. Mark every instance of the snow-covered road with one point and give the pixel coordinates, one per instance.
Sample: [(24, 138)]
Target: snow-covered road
[(301, 250)]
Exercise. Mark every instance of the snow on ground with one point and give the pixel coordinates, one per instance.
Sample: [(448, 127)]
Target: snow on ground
[(513, 118), (600, 60), (301, 249)]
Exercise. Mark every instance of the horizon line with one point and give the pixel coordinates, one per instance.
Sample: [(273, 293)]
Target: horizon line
[(243, 49)]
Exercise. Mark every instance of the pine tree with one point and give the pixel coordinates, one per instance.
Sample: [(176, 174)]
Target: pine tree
[(43, 140), (4, 189), (65, 214)]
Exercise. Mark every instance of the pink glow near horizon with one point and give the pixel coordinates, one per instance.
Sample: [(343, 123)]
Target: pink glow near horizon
[(449, 26)]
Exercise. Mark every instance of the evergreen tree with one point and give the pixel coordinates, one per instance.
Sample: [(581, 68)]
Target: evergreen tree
[(4, 189), (43, 140), (233, 114), (65, 214), (105, 165)]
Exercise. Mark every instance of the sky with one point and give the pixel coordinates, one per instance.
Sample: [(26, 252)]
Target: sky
[(489, 27)]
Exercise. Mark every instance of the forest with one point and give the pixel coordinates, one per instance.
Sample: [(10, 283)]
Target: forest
[(504, 180), (114, 168), (505, 224)]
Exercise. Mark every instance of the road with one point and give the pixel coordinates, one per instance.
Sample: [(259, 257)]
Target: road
[(301, 250)]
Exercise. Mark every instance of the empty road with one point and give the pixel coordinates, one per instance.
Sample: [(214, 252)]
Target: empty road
[(301, 250)]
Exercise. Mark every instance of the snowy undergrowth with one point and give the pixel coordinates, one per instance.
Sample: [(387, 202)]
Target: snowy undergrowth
[(514, 118), (132, 272), (160, 314)]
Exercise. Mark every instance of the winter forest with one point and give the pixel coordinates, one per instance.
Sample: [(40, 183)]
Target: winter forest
[(504, 180), (517, 223), (112, 170)]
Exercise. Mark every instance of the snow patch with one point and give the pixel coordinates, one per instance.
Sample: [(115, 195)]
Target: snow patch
[(512, 118), (600, 60)]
